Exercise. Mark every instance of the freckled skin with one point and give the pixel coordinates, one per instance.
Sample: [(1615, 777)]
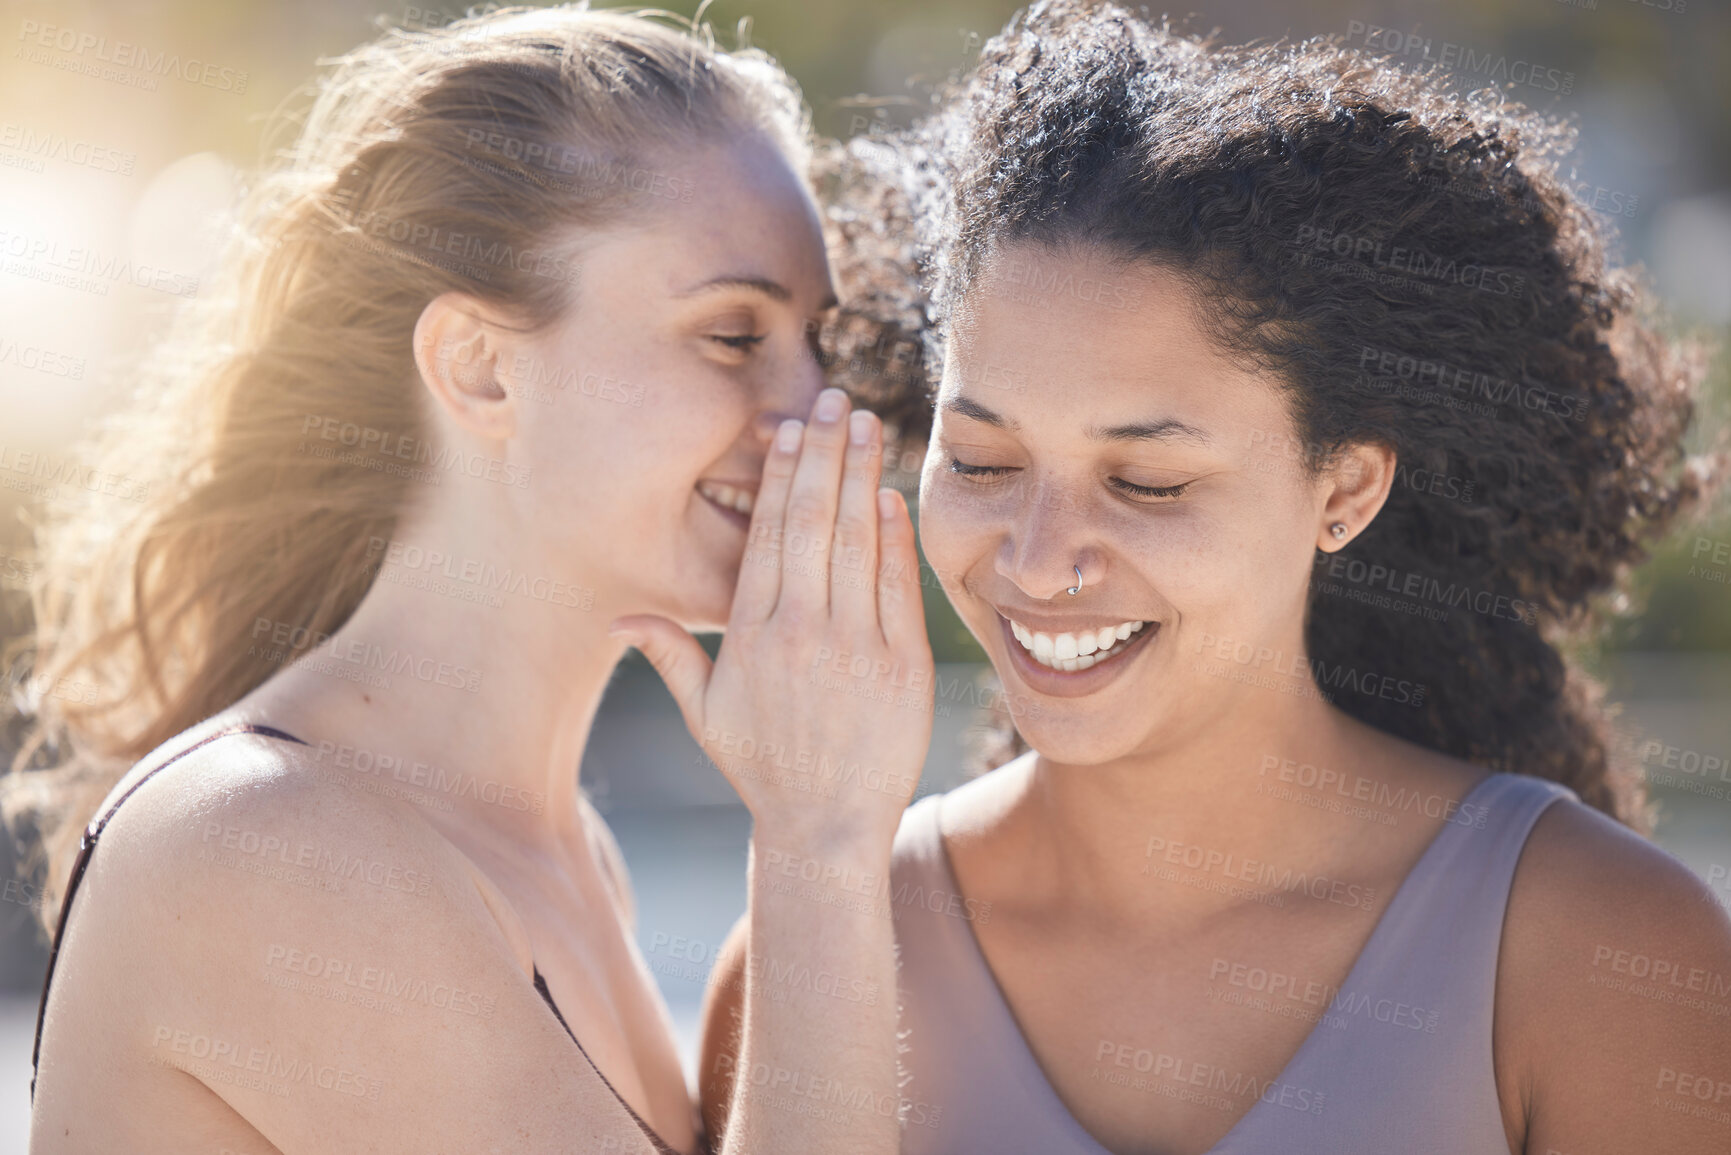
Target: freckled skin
[(509, 889)]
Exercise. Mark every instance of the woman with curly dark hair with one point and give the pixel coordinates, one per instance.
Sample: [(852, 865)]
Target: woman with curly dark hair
[(1291, 426)]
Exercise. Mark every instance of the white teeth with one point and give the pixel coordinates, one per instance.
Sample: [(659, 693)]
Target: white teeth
[(1070, 652), (728, 496)]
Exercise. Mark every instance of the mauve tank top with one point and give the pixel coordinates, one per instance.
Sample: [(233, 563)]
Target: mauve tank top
[(1403, 1062)]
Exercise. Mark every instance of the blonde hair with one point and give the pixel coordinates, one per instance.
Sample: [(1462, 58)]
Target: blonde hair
[(463, 159)]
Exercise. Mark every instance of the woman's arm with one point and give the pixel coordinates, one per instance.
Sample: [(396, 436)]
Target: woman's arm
[(722, 1017), (818, 709)]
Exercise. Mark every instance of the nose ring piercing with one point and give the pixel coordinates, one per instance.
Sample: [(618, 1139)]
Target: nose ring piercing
[(1077, 588), (1338, 529)]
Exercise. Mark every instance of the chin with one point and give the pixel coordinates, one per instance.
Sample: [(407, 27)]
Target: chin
[(705, 610), (1076, 731), (1068, 745), (698, 594)]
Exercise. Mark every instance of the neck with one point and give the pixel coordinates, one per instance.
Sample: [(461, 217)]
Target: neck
[(1182, 831), (466, 674)]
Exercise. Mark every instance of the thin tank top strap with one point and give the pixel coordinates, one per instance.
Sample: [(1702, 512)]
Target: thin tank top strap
[(661, 1146), (1506, 807), (87, 845)]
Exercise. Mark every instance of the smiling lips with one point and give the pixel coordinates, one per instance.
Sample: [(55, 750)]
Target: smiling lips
[(728, 496), (1075, 651)]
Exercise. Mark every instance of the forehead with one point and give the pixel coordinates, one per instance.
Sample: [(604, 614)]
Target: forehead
[(738, 205), (1073, 328)]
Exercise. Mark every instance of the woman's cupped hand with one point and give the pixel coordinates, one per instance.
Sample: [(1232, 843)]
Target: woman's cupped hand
[(818, 706)]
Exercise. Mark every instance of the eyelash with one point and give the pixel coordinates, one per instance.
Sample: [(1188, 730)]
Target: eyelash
[(741, 344), (1132, 488), (1128, 487)]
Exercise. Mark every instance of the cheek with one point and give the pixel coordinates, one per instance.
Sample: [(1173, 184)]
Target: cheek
[(669, 439), (955, 527), (578, 442), (1233, 569), (696, 414)]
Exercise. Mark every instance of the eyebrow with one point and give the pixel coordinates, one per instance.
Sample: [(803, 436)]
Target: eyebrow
[(1164, 430), (978, 412), (774, 290)]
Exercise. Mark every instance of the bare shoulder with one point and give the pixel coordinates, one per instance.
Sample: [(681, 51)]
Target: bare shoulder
[(1577, 852), (257, 883), (251, 819), (1585, 876), (321, 960), (1613, 1016), (983, 804)]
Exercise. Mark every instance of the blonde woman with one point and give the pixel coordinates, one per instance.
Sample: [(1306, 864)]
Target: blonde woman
[(514, 364)]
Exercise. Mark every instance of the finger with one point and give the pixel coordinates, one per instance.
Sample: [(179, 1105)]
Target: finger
[(853, 599), (676, 656), (760, 569), (900, 608), (808, 530)]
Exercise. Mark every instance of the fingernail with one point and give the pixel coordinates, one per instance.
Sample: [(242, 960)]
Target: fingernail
[(787, 435), (886, 503), (859, 427), (829, 404)]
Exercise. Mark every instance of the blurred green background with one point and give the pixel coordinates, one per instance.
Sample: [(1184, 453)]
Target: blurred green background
[(1651, 96)]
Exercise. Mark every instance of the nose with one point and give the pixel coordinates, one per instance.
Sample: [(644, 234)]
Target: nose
[(1047, 543), (791, 393), (767, 421)]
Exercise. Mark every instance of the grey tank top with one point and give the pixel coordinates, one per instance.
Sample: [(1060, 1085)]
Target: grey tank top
[(1401, 1063)]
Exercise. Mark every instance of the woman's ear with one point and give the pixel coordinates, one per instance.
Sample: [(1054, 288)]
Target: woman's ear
[(1359, 481), (459, 344)]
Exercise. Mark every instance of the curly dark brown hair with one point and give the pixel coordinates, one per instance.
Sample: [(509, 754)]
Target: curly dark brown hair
[(1413, 265)]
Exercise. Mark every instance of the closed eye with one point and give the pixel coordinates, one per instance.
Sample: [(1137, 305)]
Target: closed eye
[(1135, 490), (967, 470), (1129, 488), (741, 343)]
